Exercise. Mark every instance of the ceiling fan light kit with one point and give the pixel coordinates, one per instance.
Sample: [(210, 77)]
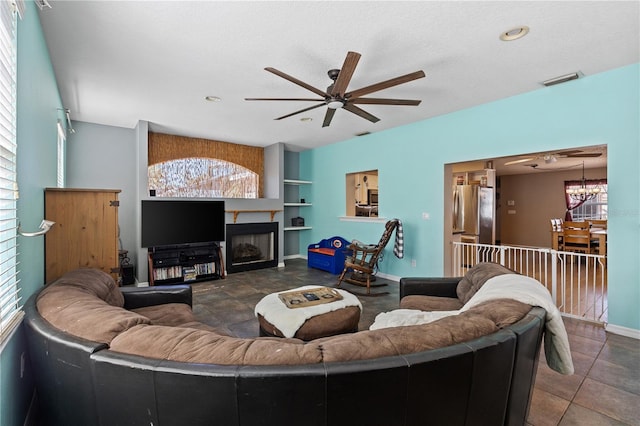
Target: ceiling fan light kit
[(336, 96)]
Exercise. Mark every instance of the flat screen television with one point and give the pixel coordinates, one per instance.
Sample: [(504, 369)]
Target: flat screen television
[(174, 222)]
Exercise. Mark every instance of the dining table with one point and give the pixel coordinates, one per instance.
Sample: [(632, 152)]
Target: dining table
[(599, 234)]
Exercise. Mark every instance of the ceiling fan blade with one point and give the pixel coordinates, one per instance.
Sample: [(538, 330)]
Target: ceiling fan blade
[(382, 101), (585, 155), (328, 117), (296, 81), (346, 72), (302, 110), (568, 152), (360, 112), (385, 84), (521, 160), (284, 99)]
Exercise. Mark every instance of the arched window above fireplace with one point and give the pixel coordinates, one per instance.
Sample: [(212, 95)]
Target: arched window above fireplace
[(202, 178), (180, 166)]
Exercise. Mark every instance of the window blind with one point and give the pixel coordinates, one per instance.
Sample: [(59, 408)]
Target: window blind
[(10, 307)]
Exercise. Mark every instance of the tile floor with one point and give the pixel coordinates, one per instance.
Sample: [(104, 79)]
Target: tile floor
[(605, 389)]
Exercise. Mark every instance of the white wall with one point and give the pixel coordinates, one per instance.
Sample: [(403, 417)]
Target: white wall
[(537, 198), (101, 156), (105, 157)]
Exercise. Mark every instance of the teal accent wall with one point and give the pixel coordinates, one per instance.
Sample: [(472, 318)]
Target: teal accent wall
[(38, 112), (598, 109)]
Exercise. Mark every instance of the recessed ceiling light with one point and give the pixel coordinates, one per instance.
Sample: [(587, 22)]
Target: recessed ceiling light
[(306, 119), (514, 33), (212, 98)]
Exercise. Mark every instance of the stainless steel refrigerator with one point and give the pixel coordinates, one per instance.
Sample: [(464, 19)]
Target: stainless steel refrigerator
[(474, 210)]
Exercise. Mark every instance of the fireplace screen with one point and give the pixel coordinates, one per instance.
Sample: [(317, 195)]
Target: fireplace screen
[(251, 246)]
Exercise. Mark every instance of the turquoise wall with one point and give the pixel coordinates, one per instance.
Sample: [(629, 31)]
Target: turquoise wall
[(598, 109), (38, 112)]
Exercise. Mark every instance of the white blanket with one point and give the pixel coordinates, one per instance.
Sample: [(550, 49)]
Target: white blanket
[(509, 286), (528, 290), (290, 320), (400, 317)]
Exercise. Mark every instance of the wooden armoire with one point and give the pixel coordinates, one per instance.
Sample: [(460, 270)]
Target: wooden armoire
[(85, 233)]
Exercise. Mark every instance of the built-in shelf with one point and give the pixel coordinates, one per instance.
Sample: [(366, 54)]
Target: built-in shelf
[(286, 204), (292, 204)]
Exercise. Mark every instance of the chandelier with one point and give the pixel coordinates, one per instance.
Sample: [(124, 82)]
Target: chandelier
[(583, 193)]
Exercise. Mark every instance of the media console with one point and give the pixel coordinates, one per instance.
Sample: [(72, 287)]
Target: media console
[(185, 263)]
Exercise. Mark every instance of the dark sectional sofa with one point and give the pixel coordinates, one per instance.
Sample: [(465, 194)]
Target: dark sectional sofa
[(103, 355)]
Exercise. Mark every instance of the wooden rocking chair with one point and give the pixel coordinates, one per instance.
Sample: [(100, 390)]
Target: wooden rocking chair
[(363, 262)]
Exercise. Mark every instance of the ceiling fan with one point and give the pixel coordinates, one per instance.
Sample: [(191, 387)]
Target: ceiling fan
[(553, 157), (336, 95)]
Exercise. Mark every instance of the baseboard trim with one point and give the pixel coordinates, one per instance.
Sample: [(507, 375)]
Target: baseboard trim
[(293, 256), (388, 277), (623, 331)]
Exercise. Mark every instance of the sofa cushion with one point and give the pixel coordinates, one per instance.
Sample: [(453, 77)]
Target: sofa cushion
[(476, 277), (87, 303), (430, 303), (406, 339), (503, 312), (201, 346), (171, 314), (77, 311), (175, 315), (95, 282)]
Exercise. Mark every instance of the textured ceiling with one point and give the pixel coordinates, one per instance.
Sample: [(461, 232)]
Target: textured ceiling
[(117, 62)]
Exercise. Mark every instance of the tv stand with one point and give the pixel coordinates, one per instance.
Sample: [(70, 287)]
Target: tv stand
[(185, 263)]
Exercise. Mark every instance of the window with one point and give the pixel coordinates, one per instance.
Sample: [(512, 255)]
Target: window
[(202, 177), (596, 208), (362, 193), (180, 166), (10, 308)]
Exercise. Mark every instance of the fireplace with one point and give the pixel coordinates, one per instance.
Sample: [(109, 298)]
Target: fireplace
[(251, 246)]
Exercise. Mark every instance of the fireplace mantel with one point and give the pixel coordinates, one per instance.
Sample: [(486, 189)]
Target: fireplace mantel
[(237, 212)]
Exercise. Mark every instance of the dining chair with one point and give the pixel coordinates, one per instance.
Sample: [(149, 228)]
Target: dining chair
[(577, 239), (556, 232), (556, 224), (575, 225), (598, 223)]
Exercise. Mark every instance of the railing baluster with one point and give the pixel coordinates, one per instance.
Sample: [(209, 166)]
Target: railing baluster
[(561, 272)]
